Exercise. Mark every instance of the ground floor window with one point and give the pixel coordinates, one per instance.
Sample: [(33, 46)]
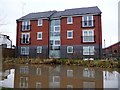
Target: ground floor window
[(88, 50), (24, 50), (39, 49), (69, 49)]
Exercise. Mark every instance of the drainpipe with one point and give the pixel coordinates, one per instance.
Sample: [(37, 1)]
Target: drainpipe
[(99, 32)]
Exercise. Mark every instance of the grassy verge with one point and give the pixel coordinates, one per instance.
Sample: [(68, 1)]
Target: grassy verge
[(88, 63)]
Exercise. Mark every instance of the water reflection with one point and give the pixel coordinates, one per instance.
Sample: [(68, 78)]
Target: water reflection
[(49, 76)]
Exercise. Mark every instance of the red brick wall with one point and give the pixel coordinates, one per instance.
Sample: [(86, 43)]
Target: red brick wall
[(77, 30), (33, 32)]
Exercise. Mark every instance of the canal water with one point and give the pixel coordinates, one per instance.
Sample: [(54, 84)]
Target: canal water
[(59, 76)]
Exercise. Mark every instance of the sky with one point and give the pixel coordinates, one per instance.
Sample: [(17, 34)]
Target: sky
[(11, 10)]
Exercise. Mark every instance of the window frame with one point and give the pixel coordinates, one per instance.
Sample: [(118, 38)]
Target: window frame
[(70, 73), (26, 52), (39, 49), (88, 35), (68, 48), (25, 34), (89, 52), (70, 31), (71, 20), (83, 20), (40, 20), (39, 38), (25, 23)]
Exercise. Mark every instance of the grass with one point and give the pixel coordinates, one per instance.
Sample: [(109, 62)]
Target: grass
[(88, 63)]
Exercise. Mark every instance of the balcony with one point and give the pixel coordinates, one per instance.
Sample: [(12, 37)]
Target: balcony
[(25, 40), (25, 27), (88, 39), (90, 23)]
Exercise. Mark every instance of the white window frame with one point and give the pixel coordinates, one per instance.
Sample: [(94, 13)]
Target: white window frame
[(25, 37), (69, 86), (55, 29), (38, 35), (69, 73), (25, 23), (54, 77), (38, 71), (40, 22), (38, 84), (70, 20), (24, 69), (26, 52), (39, 49), (87, 21), (88, 35), (88, 50), (68, 48), (24, 83), (70, 31)]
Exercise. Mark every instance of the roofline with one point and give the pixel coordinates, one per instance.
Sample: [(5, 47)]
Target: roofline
[(112, 45)]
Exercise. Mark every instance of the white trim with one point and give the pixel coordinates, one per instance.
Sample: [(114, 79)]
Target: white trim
[(54, 77), (39, 49), (69, 73), (26, 51), (38, 84), (41, 22), (69, 86), (88, 34), (88, 50), (71, 35), (68, 48), (38, 36), (71, 20)]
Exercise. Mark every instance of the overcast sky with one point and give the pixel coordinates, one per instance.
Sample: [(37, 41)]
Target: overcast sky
[(10, 10)]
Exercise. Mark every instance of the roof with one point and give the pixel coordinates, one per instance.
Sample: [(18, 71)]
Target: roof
[(78, 11), (37, 15), (66, 12)]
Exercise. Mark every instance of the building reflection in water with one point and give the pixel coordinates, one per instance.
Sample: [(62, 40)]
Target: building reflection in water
[(45, 76)]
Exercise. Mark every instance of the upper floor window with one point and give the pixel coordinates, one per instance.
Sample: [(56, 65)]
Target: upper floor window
[(88, 50), (24, 69), (25, 38), (69, 73), (40, 22), (69, 34), (23, 82), (69, 49), (88, 35), (39, 35), (87, 21), (56, 79), (24, 50), (39, 49), (69, 20), (25, 25)]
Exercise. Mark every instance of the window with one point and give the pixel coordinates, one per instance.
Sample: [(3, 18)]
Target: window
[(25, 25), (38, 71), (25, 38), (39, 35), (89, 85), (69, 20), (23, 82), (88, 35), (69, 49), (88, 50), (70, 34), (40, 21), (90, 73), (69, 86), (56, 28), (56, 79), (24, 50), (38, 84), (69, 73), (39, 49), (24, 69), (57, 42), (87, 21)]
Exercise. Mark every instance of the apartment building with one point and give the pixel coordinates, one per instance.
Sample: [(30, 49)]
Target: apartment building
[(72, 33)]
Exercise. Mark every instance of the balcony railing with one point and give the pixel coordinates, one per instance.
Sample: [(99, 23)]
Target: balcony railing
[(90, 23), (87, 39), (26, 27), (25, 40)]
